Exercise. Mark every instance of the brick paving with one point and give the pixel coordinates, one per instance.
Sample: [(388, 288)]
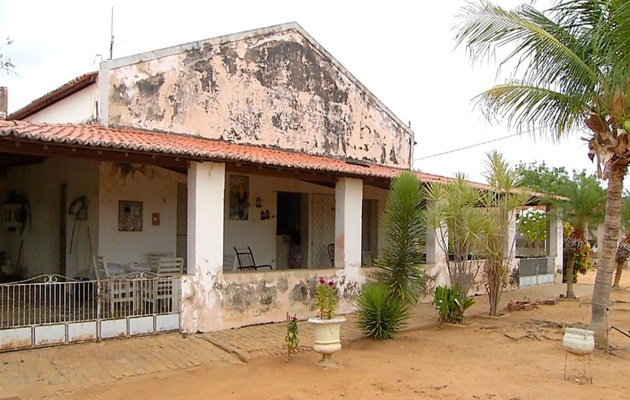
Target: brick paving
[(47, 372)]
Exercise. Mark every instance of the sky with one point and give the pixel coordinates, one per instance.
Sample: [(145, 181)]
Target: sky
[(402, 51)]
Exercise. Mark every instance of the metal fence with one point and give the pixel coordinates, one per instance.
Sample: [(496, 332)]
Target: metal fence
[(535, 271), (58, 300)]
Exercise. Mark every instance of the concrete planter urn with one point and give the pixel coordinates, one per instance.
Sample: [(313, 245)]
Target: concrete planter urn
[(327, 341), (578, 341)]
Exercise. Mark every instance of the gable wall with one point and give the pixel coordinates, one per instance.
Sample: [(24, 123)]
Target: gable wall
[(79, 107), (274, 90)]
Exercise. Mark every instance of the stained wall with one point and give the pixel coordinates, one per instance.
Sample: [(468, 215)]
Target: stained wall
[(277, 89)]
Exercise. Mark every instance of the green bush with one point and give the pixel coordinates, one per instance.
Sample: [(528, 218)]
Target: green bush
[(582, 263), (381, 314), (451, 303)]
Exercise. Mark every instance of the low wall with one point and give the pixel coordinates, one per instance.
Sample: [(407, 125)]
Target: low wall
[(249, 298)]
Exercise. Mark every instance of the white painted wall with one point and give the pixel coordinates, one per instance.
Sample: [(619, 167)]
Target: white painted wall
[(77, 108), (40, 184), (261, 235), (157, 190), (380, 195)]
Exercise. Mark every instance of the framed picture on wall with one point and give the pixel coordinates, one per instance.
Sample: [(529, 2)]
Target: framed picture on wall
[(239, 197), (129, 216)]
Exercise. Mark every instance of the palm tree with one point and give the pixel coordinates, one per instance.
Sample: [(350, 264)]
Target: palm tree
[(573, 64), (585, 205), (623, 248), (501, 204)]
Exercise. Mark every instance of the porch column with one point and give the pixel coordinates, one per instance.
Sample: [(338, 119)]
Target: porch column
[(206, 184), (436, 240), (510, 241), (348, 211), (555, 244)]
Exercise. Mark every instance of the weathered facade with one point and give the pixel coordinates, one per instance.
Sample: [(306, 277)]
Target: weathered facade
[(274, 87), (265, 119)]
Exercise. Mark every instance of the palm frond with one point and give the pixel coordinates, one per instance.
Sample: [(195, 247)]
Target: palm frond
[(544, 50), (530, 106)]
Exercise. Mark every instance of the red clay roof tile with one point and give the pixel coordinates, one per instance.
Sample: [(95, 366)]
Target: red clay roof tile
[(152, 142)]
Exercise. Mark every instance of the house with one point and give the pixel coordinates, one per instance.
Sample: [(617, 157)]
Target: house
[(247, 140)]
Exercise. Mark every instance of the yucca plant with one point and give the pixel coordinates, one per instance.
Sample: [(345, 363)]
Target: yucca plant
[(399, 267), (381, 313)]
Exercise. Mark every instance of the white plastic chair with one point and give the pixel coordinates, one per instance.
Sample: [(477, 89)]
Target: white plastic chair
[(117, 289), (154, 258), (159, 291)]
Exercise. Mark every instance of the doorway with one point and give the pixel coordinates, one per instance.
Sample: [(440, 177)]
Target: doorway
[(291, 230)]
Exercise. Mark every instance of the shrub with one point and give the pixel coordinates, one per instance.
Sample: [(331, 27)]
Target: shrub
[(582, 263), (381, 314), (451, 303)]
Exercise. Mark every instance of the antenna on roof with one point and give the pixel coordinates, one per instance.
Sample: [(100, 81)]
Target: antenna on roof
[(111, 42)]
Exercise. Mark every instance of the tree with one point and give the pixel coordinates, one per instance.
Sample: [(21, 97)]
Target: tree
[(501, 204), (5, 62), (573, 67), (539, 178), (478, 223), (623, 248), (533, 225), (585, 204), (453, 211)]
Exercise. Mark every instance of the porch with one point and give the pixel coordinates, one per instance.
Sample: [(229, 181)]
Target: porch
[(98, 200)]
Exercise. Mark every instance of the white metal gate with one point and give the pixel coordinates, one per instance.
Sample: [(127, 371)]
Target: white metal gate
[(52, 309), (321, 229)]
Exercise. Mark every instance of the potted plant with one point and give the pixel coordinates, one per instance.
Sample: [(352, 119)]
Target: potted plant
[(327, 324)]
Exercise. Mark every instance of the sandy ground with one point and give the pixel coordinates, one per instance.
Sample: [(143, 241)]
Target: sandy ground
[(513, 357)]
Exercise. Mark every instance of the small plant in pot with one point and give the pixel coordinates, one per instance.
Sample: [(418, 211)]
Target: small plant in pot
[(327, 325), (326, 299)]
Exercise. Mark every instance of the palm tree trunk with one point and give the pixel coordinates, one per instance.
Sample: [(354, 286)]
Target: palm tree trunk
[(603, 280), (569, 275), (620, 265)]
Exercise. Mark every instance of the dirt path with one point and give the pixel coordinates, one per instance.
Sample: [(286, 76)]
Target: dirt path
[(514, 357)]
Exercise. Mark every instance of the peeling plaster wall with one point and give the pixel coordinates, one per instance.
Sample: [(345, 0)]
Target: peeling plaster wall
[(244, 298), (250, 298), (274, 90), (41, 184), (156, 188)]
